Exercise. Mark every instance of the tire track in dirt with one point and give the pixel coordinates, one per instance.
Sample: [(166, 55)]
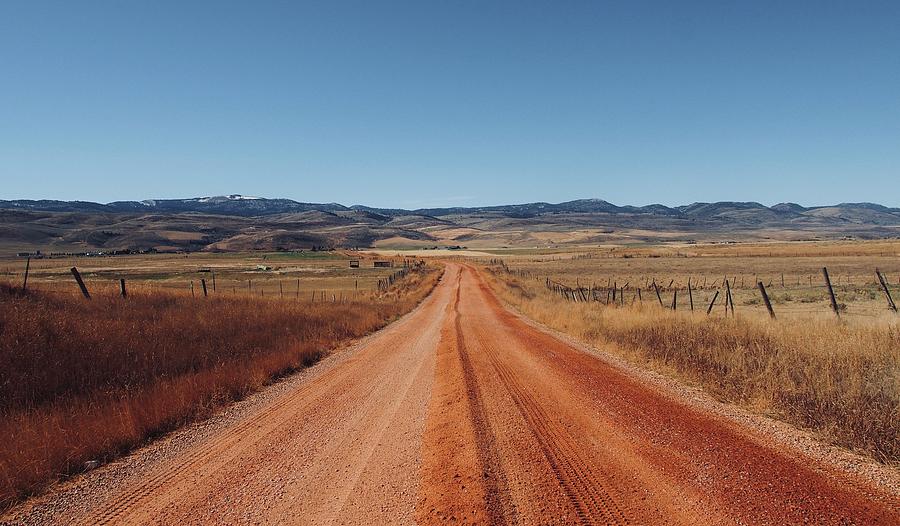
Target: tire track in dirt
[(593, 500), (497, 486)]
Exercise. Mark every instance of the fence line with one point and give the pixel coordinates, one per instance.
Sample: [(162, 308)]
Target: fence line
[(614, 295)]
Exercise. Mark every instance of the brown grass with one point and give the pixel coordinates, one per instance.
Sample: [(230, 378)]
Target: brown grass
[(86, 380), (841, 380), (791, 272)]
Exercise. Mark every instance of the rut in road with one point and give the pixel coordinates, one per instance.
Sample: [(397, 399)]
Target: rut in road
[(463, 412)]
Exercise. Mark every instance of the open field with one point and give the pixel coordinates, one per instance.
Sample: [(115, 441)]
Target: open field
[(85, 380), (286, 274), (791, 273), (464, 412), (838, 377)]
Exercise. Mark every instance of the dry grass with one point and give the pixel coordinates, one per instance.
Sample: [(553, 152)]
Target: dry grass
[(839, 379), (290, 274), (791, 272), (86, 380)]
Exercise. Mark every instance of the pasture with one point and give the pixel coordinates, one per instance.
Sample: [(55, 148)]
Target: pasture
[(288, 275)]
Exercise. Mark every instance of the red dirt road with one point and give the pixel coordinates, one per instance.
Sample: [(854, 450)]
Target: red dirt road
[(463, 413)]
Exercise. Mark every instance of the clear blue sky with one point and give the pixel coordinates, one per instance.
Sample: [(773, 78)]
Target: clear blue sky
[(427, 103)]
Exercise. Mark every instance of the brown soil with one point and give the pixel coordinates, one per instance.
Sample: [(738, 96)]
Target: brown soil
[(463, 413)]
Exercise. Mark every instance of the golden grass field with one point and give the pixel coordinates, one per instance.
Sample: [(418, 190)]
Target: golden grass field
[(839, 378)]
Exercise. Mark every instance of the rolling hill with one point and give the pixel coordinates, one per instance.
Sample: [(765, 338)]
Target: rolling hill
[(238, 222)]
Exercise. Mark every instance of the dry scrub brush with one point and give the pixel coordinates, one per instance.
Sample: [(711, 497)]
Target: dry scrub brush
[(85, 380), (841, 380)]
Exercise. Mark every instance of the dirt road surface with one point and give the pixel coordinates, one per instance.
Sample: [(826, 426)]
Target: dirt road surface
[(463, 413)]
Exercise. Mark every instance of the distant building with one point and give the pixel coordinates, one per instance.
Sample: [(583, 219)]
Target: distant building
[(383, 264)]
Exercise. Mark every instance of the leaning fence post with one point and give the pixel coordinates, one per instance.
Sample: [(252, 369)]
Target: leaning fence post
[(203, 284), (690, 295), (658, 297), (84, 290), (765, 297), (711, 303), (834, 305), (728, 298), (887, 292), (122, 287), (27, 268)]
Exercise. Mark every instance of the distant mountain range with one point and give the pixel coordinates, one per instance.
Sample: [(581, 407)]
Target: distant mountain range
[(246, 206), (242, 222)]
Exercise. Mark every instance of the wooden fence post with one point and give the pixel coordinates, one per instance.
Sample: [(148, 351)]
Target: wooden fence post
[(203, 284), (658, 297), (765, 297), (728, 300), (122, 287), (887, 292), (675, 299), (711, 303), (84, 290), (214, 281), (27, 268), (192, 289), (834, 305), (690, 295), (281, 288)]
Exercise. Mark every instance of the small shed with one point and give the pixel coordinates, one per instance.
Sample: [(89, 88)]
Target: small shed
[(382, 264), (354, 263)]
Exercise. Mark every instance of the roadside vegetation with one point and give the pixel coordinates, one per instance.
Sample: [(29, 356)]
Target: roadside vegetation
[(839, 379), (84, 381)]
